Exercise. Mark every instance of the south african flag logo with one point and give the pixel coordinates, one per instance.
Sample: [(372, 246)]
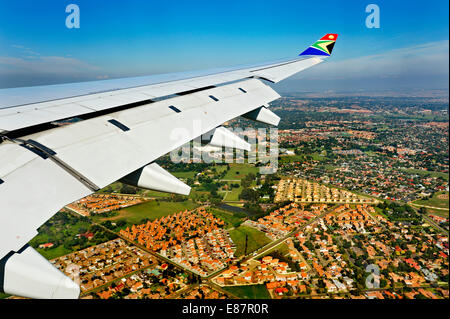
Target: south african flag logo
[(324, 46)]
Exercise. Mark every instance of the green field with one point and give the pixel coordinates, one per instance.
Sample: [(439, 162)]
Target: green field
[(249, 292), (283, 249), (424, 173), (371, 153), (54, 252), (227, 217), (291, 158), (184, 175), (256, 239), (151, 210), (238, 171), (442, 213), (233, 194), (155, 194), (297, 158), (220, 168), (439, 199)]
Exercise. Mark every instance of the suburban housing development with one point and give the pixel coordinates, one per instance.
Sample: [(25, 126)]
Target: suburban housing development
[(356, 210)]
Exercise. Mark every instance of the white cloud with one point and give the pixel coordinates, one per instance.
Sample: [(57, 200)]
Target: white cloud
[(425, 59), (44, 65)]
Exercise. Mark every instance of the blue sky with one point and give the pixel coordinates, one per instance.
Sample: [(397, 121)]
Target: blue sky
[(127, 38)]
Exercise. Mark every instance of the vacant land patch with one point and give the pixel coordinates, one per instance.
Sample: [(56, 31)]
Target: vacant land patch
[(249, 291), (256, 239), (439, 199), (152, 210)]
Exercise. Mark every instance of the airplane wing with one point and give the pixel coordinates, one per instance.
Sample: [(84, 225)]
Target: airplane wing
[(126, 124)]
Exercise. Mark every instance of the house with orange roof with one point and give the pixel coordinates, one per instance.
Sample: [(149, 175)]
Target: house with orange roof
[(267, 259), (304, 276), (105, 294), (137, 286), (281, 290)]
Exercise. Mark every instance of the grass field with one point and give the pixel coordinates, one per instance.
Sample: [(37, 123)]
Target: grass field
[(233, 195), (234, 175), (227, 217), (439, 199), (249, 292), (424, 173), (54, 252), (296, 158), (151, 210), (185, 175), (256, 239), (283, 249), (156, 194), (442, 213), (238, 171), (220, 168), (291, 158)]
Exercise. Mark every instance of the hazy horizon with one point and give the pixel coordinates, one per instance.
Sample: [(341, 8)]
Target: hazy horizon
[(409, 51)]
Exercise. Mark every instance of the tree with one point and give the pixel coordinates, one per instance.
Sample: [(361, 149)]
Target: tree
[(245, 183), (249, 194), (127, 189)]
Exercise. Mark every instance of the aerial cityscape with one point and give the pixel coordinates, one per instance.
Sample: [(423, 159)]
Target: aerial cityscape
[(225, 159), (362, 184)]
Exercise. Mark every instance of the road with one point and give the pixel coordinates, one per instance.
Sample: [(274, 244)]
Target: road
[(431, 207), (430, 221), (433, 223)]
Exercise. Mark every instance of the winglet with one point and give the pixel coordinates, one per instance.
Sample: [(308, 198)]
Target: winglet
[(324, 46)]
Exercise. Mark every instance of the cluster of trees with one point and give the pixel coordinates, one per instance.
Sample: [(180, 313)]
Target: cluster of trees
[(293, 265), (79, 243), (254, 209), (400, 212), (121, 188), (248, 193), (64, 229), (255, 195), (167, 163), (127, 189), (117, 225)]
